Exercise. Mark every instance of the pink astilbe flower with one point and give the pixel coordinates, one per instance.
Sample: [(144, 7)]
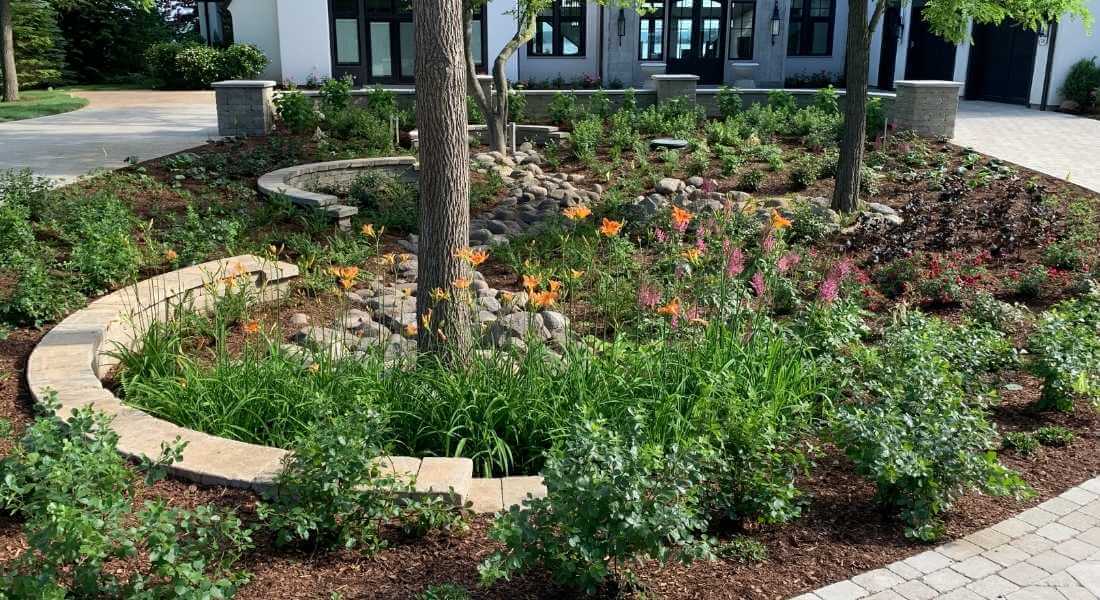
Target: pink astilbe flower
[(830, 291), (735, 262), (841, 270), (709, 186), (648, 297), (693, 313), (791, 259), (681, 226), (769, 242), (758, 284), (700, 243), (660, 235)]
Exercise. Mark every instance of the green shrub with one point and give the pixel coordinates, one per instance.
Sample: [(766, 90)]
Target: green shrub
[(335, 95), (808, 226), (622, 134), (915, 436), (517, 106), (562, 108), (782, 100), (332, 490), (729, 102), (199, 66), (805, 171), (586, 137), (194, 66), (1001, 316), (77, 497), (99, 229), (1082, 83), (16, 230), (751, 180), (386, 201), (599, 104), (242, 61), (39, 294), (161, 62), (1055, 436), (1065, 348), (1030, 283), (198, 236), (296, 111), (364, 126), (876, 117), (446, 591), (1021, 441), (1068, 254), (742, 549), (675, 118), (826, 100), (473, 111), (611, 499)]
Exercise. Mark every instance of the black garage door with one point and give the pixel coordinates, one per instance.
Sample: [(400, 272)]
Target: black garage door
[(1002, 61)]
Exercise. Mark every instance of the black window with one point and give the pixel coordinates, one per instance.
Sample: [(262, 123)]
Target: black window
[(742, 29), (651, 31), (811, 28), (559, 30)]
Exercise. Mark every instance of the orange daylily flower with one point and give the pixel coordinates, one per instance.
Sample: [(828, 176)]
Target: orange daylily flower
[(251, 327), (671, 309), (555, 285), (610, 228), (439, 295), (681, 217), (531, 281), (410, 329), (779, 221), (478, 256), (575, 274), (462, 283), (426, 319), (170, 255), (577, 213), (544, 299), (368, 230), (693, 254)]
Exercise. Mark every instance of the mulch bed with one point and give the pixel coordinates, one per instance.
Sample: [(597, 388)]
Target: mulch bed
[(842, 533)]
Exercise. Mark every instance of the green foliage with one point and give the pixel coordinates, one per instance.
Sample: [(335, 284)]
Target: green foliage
[(587, 135), (517, 106), (1021, 441), (751, 180), (335, 95), (805, 171), (1066, 353), (198, 235), (38, 293), (676, 118), (876, 117), (782, 100), (386, 200), (39, 43), (99, 229), (562, 108), (611, 499), (729, 102), (1001, 316), (1082, 83), (364, 126), (742, 549), (622, 135), (296, 111), (599, 104), (916, 436), (1030, 283), (445, 591), (76, 494), (195, 66), (1054, 435), (826, 100), (473, 111), (332, 490)]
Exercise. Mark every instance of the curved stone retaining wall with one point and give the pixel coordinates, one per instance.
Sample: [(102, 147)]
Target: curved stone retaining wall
[(74, 356)]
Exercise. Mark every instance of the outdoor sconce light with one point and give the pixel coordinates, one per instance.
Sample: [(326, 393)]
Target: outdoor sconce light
[(1044, 34), (776, 23), (622, 25)]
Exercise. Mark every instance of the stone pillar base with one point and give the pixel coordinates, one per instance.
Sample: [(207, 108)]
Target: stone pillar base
[(245, 108), (675, 86), (928, 108)]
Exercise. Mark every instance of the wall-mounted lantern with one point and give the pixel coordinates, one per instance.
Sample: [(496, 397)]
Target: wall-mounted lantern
[(622, 25), (776, 23)]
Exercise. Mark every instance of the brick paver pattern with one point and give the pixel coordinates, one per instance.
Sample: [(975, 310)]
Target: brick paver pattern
[(1050, 552), (1060, 145)]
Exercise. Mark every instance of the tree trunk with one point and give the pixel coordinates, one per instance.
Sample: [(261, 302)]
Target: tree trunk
[(854, 139), (444, 177), (7, 48), (495, 106)]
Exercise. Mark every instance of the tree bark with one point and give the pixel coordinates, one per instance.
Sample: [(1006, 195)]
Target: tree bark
[(495, 106), (854, 139), (7, 48), (444, 177)]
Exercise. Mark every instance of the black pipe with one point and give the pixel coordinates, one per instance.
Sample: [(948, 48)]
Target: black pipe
[(1050, 64)]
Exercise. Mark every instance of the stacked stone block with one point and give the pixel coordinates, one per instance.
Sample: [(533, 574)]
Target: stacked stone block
[(245, 108)]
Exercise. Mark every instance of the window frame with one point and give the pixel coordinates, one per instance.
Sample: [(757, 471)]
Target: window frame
[(732, 4), (805, 34), (658, 15), (558, 41)]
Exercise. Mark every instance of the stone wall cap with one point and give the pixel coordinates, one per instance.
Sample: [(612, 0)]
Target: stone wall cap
[(674, 77), (928, 83), (243, 83)]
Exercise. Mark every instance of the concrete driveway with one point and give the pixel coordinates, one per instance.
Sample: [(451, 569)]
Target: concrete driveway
[(114, 126), (1060, 145)]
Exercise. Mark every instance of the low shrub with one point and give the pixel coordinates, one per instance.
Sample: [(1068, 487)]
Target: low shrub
[(622, 135), (611, 499), (1030, 283), (1021, 441), (729, 102), (586, 137), (364, 126), (77, 497), (296, 112), (1065, 348), (1055, 436), (742, 549), (335, 95), (1001, 316), (1082, 83), (196, 66), (35, 293), (99, 229), (386, 201), (562, 108), (805, 171), (751, 180), (517, 106)]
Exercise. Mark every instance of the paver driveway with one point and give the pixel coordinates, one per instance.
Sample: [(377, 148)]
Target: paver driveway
[(114, 126), (1060, 145)]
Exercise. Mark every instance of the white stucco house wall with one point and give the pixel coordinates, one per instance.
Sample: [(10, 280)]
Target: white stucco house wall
[(763, 42)]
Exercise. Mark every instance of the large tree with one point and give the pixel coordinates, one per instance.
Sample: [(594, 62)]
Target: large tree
[(445, 325), (7, 48), (949, 19)]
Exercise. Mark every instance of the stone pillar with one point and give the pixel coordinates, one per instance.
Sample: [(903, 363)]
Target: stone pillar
[(676, 86), (928, 108), (245, 107)]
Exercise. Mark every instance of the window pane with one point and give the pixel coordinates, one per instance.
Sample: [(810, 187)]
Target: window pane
[(794, 35), (741, 30), (475, 41), (571, 38), (408, 49), (711, 38), (820, 43), (820, 8), (682, 32), (796, 9), (652, 34), (347, 41), (381, 61), (546, 38)]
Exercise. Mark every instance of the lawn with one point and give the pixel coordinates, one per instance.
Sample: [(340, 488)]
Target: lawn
[(702, 360), (40, 103)]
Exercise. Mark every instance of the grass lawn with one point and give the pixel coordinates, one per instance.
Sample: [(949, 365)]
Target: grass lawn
[(39, 103)]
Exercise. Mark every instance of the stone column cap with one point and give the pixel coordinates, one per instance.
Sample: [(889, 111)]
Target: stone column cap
[(674, 77), (928, 83), (244, 83)]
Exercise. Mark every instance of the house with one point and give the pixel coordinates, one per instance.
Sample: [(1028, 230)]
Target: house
[(761, 43)]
